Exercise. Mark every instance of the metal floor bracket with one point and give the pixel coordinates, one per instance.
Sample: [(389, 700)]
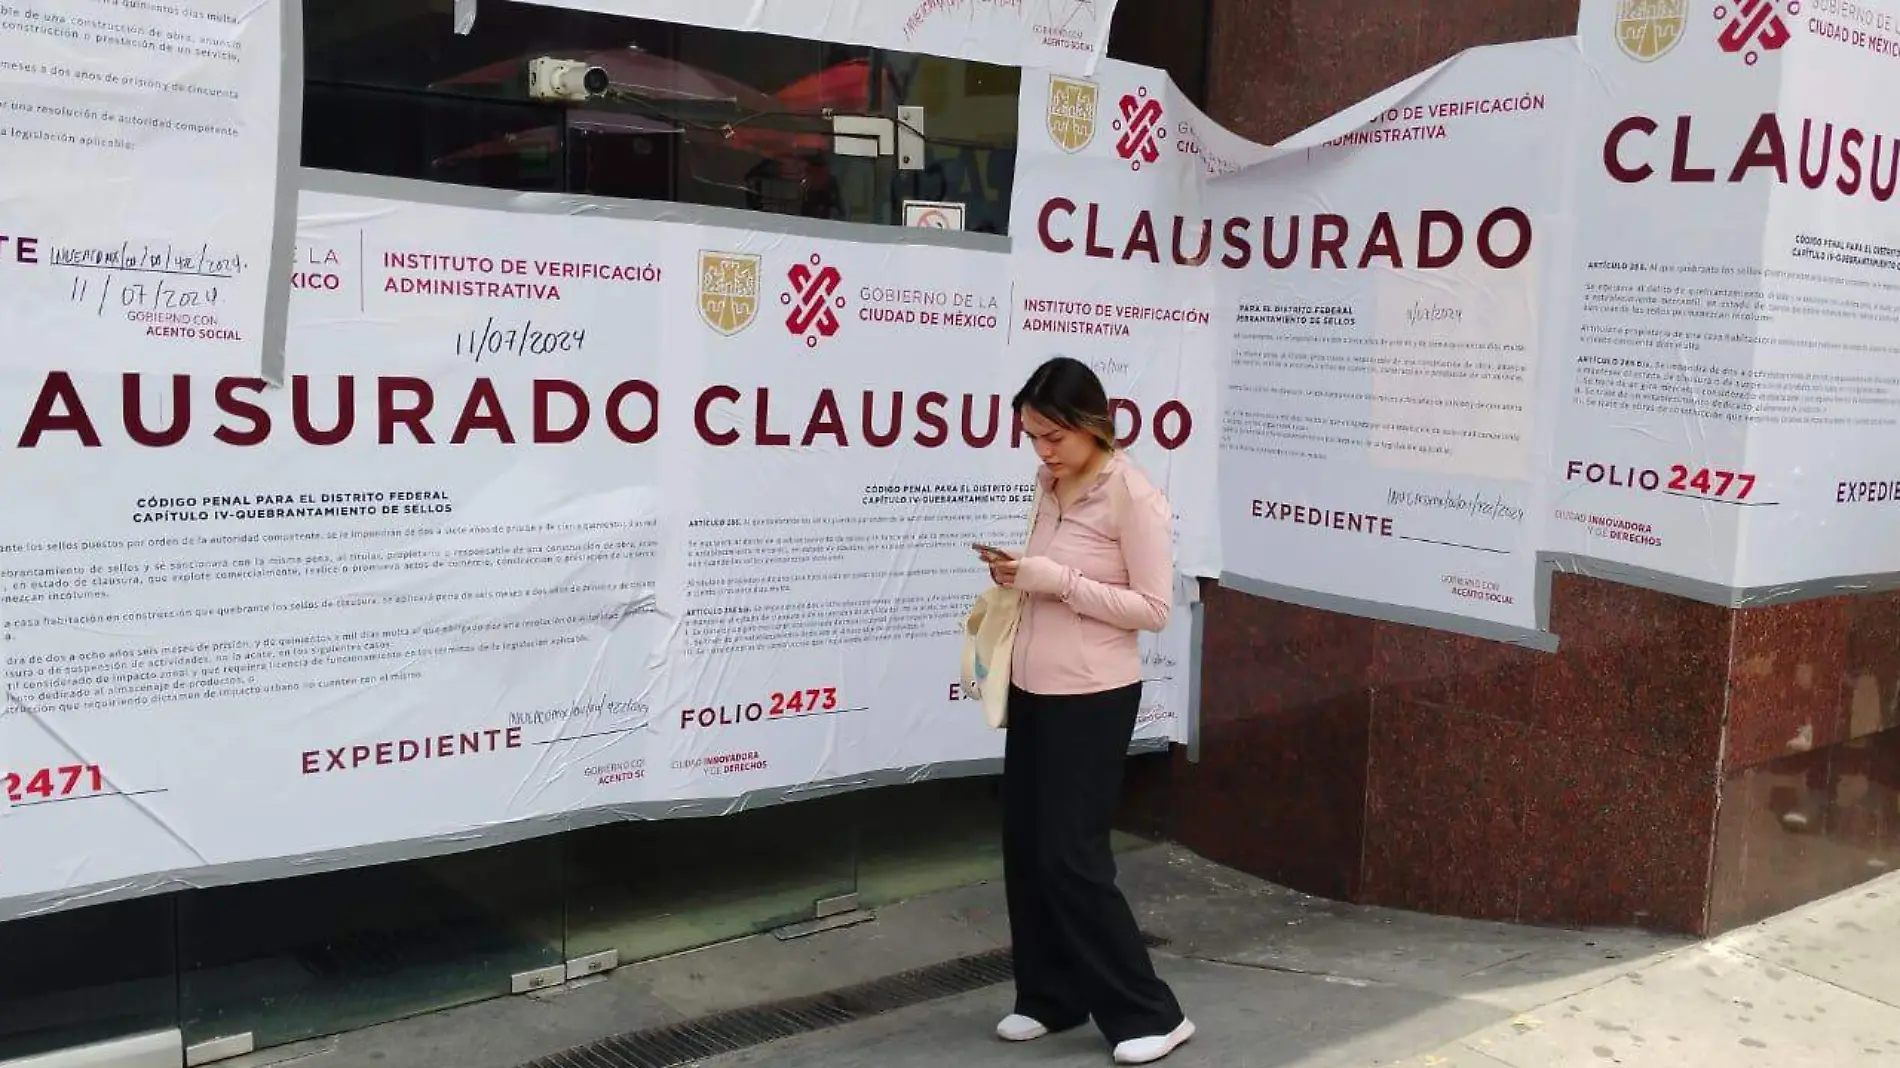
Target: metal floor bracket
[(834, 922)]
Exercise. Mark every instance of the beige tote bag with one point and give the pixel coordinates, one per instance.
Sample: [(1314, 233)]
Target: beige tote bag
[(989, 640)]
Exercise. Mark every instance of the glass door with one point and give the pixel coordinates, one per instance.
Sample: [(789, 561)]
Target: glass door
[(646, 889), (264, 964), (87, 975)]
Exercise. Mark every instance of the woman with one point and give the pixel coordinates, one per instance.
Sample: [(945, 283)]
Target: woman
[(1098, 570)]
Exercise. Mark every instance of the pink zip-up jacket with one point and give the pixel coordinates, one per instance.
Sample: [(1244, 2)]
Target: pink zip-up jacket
[(1094, 576)]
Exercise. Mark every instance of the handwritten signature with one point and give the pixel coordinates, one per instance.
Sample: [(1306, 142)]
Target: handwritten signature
[(1420, 312), (149, 258)]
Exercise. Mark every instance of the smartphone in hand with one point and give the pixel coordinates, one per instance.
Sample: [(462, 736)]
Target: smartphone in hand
[(991, 554)]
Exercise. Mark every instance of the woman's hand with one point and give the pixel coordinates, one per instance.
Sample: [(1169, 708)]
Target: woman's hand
[(1036, 575), (1040, 576), (1003, 572)]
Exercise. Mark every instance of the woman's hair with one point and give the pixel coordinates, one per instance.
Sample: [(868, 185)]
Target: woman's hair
[(1066, 392)]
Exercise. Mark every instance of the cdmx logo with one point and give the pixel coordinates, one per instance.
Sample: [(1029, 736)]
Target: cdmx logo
[(1754, 27), (814, 300), (1141, 129)]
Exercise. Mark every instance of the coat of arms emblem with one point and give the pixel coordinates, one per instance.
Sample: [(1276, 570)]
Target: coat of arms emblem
[(728, 290), (1072, 103), (1647, 29)]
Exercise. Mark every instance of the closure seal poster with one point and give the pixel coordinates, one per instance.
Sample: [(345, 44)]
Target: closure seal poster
[(147, 180), (1384, 286), (842, 437), (559, 516), (1063, 35), (363, 607), (1731, 405), (1824, 390), (1107, 270), (1651, 469)]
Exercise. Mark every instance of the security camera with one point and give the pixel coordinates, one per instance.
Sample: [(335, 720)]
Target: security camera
[(565, 79)]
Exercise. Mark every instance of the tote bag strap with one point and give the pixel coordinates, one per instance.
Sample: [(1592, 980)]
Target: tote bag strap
[(1035, 513)]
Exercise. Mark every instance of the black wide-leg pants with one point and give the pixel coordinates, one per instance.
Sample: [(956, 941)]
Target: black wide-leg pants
[(1078, 951)]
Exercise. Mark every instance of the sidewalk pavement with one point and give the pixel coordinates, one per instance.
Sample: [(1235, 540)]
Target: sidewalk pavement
[(1274, 979)]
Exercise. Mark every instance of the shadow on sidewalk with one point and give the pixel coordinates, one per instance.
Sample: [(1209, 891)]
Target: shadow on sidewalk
[(1272, 977)]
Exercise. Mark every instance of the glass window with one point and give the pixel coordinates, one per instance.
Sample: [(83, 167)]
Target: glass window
[(969, 127), (647, 889), (505, 145), (89, 975), (693, 115), (296, 958)]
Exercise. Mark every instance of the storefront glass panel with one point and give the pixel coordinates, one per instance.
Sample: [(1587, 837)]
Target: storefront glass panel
[(89, 975), (295, 958), (649, 889)]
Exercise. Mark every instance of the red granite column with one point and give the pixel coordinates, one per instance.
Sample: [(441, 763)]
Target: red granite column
[(1280, 788), (1277, 66), (1811, 769), (1287, 706), (1578, 788), (1675, 765)]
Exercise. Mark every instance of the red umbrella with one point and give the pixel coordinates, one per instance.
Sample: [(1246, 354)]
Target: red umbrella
[(842, 87), (788, 127)]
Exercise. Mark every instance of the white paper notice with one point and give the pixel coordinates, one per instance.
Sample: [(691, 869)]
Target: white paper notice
[(139, 169), (1385, 291), (557, 512), (1063, 35), (1104, 272)]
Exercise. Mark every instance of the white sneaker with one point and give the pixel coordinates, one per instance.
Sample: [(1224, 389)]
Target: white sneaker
[(1015, 1028), (1151, 1049)]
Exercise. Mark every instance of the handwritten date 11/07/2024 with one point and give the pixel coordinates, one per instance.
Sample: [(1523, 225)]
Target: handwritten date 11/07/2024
[(109, 293), (518, 339), (49, 784)]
